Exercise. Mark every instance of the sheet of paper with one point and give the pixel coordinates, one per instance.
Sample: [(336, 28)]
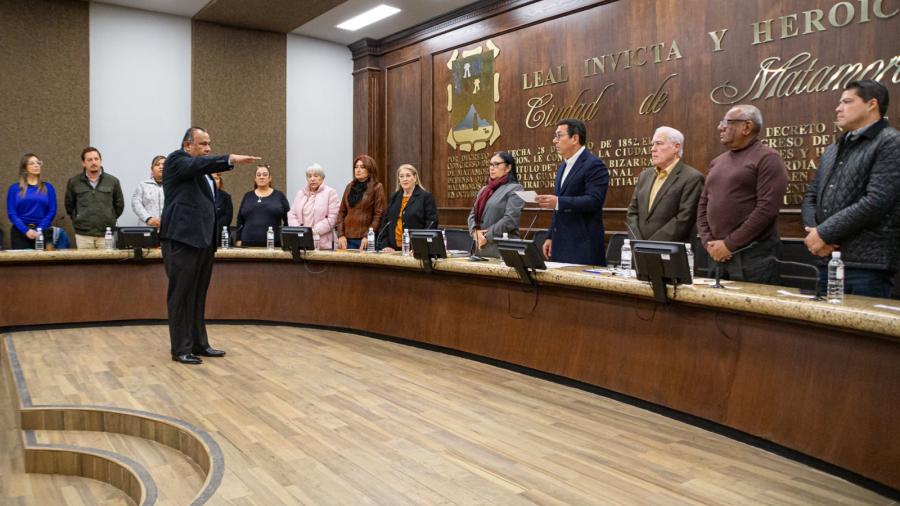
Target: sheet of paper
[(559, 265), (529, 196), (792, 294)]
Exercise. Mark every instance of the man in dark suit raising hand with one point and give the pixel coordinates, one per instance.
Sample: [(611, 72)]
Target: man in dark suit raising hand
[(188, 236)]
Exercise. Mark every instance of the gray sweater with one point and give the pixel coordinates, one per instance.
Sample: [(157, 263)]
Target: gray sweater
[(148, 200)]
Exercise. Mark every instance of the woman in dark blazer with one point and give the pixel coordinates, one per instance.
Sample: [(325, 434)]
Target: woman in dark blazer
[(224, 207), (497, 207), (410, 207)]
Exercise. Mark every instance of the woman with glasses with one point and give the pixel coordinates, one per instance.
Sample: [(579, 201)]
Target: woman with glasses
[(30, 203), (410, 207), (362, 205), (497, 207)]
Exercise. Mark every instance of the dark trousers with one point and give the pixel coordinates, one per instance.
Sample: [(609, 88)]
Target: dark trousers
[(866, 282), (755, 264), (18, 240), (189, 270)]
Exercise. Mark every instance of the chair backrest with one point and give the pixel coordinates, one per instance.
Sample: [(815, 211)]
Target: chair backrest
[(458, 239), (614, 249), (794, 250), (701, 258), (799, 275)]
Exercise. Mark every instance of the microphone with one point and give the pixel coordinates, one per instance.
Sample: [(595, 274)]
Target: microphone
[(630, 230), (524, 237), (381, 231)]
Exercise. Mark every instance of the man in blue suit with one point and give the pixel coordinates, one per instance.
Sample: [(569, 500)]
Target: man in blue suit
[(576, 230), (188, 235)]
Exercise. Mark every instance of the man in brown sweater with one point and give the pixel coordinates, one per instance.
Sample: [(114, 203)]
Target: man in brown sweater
[(737, 213)]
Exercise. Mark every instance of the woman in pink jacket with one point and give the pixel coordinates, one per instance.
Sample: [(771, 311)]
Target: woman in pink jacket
[(316, 206)]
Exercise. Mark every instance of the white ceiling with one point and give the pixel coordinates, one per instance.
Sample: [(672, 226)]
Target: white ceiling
[(412, 13), (323, 27)]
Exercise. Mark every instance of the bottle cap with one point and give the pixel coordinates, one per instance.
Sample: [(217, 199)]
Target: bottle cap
[(835, 254), (627, 241)]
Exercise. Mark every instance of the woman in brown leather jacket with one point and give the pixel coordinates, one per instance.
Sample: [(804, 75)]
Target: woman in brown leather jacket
[(362, 205)]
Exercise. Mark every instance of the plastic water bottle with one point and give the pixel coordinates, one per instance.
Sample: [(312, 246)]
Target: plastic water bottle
[(625, 262), (370, 241), (406, 242), (444, 235), (270, 238), (836, 279), (224, 237), (39, 240), (690, 257), (108, 239)]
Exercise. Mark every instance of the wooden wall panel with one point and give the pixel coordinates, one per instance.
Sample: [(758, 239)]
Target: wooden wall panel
[(662, 50), (45, 88), (239, 94), (403, 114)]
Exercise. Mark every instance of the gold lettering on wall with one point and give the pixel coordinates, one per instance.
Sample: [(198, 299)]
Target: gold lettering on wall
[(777, 79), (656, 100), (839, 15), (628, 58), (543, 112)]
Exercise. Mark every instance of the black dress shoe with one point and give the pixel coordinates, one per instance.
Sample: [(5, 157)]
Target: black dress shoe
[(210, 352), (187, 359)]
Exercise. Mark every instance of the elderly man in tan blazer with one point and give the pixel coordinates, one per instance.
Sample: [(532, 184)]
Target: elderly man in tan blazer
[(664, 204)]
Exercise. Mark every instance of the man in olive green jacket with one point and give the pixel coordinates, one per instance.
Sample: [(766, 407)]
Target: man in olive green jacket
[(94, 201)]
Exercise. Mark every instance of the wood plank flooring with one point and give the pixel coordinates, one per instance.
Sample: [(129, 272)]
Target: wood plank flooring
[(308, 416)]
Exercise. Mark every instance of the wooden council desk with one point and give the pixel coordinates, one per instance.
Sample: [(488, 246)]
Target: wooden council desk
[(820, 379)]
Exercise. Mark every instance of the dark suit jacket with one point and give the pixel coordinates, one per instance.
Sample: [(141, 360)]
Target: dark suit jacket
[(189, 214), (420, 212), (577, 225), (674, 214), (224, 209)]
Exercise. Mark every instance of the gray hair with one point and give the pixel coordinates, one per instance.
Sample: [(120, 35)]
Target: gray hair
[(750, 112), (315, 169), (673, 136)]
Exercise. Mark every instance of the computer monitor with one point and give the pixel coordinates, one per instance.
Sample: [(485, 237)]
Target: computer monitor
[(137, 238), (524, 256), (427, 244), (661, 263), (297, 239)]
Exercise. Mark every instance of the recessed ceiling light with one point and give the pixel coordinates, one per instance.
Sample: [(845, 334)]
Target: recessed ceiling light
[(368, 17)]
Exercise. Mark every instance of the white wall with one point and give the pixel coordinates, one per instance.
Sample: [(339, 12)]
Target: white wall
[(319, 112), (140, 80)]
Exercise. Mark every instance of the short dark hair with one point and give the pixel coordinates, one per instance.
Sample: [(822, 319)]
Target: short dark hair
[(575, 126), (189, 135), (88, 150), (511, 161), (868, 89)]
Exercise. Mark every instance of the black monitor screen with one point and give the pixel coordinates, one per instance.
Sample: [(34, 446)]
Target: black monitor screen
[(529, 252), (300, 238), (663, 260), (137, 237), (427, 243)]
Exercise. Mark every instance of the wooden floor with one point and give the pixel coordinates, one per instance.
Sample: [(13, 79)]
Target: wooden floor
[(319, 417)]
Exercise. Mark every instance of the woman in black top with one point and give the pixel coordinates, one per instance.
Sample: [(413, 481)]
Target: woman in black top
[(410, 207), (260, 209)]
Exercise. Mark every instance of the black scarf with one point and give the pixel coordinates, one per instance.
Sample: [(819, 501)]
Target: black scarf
[(357, 190)]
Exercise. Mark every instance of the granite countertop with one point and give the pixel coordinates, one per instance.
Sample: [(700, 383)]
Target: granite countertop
[(856, 313)]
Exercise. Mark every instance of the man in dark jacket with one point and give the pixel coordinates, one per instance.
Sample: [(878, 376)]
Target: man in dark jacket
[(188, 234), (852, 205), (93, 200)]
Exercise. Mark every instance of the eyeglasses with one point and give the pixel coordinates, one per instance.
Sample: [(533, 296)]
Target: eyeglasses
[(497, 164), (725, 122), (36, 162), (560, 135)]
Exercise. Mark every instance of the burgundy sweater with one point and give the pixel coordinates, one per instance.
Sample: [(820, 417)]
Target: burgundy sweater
[(743, 194)]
